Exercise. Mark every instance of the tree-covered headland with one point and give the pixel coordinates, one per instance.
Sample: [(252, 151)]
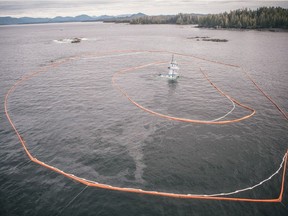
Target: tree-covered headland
[(264, 17)]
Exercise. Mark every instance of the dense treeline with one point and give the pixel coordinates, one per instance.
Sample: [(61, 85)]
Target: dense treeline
[(261, 18), (181, 19), (264, 17)]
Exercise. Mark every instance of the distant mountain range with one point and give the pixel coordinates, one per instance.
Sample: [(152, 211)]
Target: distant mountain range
[(81, 18)]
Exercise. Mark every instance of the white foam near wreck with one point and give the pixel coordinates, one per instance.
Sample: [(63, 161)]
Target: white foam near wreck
[(70, 40)]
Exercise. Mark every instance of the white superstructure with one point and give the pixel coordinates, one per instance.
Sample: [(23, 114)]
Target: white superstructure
[(173, 70)]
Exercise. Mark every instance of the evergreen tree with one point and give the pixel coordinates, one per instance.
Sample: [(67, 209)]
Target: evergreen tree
[(264, 17)]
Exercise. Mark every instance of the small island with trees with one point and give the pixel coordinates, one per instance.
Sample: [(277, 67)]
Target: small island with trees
[(262, 18)]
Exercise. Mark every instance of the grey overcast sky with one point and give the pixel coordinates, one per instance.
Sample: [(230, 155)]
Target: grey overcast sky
[(52, 8)]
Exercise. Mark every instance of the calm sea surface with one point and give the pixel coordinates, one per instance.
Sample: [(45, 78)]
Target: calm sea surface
[(73, 118)]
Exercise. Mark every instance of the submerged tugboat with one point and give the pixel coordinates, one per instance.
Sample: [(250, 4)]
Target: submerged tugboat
[(173, 70)]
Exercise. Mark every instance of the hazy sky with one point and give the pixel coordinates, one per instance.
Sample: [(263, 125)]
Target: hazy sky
[(52, 8)]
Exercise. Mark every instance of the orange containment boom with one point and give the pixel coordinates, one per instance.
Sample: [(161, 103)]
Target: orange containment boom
[(222, 196)]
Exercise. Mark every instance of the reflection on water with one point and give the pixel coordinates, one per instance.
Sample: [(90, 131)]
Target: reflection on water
[(172, 85)]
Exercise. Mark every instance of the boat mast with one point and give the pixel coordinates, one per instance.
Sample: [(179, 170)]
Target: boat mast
[(173, 68)]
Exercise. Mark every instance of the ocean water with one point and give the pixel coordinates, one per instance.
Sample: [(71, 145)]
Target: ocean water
[(72, 117)]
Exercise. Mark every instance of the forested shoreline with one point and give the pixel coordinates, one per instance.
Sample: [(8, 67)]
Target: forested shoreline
[(264, 17)]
